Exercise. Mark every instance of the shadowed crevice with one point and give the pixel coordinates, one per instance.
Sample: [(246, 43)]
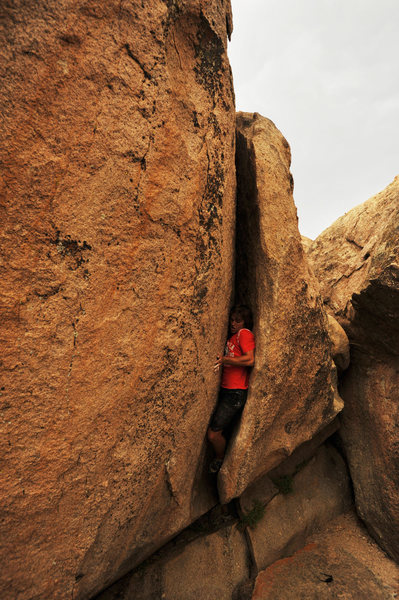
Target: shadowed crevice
[(247, 225)]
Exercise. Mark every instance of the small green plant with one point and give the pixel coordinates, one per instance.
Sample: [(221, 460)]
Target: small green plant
[(252, 517), (284, 484), (302, 465)]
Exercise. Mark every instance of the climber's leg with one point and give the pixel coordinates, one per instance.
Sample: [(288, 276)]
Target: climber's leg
[(218, 442)]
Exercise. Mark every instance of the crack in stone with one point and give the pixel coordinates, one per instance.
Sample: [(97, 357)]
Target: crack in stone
[(348, 239), (347, 275), (169, 484), (146, 74)]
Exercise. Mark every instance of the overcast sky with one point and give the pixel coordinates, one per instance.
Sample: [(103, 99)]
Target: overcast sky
[(326, 73)]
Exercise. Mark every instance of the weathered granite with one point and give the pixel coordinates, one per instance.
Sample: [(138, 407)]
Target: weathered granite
[(211, 566), (317, 492), (357, 263), (341, 561), (339, 344), (118, 184), (292, 389)]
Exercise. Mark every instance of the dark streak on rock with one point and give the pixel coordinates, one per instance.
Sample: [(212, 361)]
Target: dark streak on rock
[(209, 53), (70, 39), (69, 247), (50, 292), (146, 74), (195, 119)]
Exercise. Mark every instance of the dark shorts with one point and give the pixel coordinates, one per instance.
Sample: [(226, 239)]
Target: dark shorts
[(229, 406)]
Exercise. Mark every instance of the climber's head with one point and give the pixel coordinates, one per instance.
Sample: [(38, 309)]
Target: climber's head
[(240, 316)]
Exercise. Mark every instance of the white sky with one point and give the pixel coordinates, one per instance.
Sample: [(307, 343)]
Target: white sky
[(326, 73)]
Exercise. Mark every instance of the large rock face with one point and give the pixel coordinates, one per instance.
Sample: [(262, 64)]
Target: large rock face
[(292, 392), (357, 263), (117, 227)]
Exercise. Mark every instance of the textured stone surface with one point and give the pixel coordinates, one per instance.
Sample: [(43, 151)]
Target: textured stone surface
[(320, 492), (358, 254), (264, 488), (370, 433), (357, 263), (292, 392), (306, 242), (212, 566), (340, 344), (117, 215), (339, 562)]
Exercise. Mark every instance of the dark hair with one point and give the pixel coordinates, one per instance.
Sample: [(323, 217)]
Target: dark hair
[(243, 311)]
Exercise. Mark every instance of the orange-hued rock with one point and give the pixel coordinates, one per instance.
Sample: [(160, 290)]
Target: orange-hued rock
[(292, 389), (341, 561), (354, 254), (306, 242), (117, 215), (264, 490), (311, 497), (211, 566), (357, 263), (339, 344)]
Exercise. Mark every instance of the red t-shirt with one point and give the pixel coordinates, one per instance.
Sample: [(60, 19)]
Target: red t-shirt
[(236, 378)]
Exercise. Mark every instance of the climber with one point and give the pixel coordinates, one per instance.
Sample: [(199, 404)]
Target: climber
[(238, 358)]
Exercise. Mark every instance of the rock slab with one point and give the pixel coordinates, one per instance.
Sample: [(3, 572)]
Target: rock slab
[(117, 224), (317, 493), (292, 389), (340, 562), (212, 566), (340, 350), (357, 262)]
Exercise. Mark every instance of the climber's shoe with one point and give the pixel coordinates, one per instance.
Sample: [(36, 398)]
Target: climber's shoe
[(215, 465)]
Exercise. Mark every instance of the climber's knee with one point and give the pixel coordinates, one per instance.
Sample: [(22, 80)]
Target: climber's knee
[(215, 436)]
